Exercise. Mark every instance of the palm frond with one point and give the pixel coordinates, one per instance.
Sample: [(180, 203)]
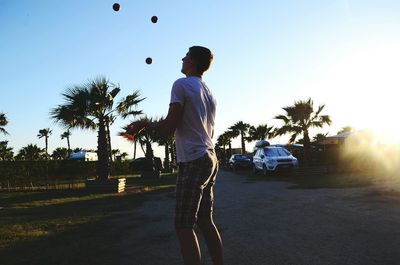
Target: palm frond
[(283, 117)]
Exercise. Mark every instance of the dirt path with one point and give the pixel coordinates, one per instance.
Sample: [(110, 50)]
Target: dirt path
[(266, 223)]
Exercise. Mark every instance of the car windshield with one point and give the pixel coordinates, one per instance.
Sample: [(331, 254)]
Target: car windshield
[(276, 152), (241, 157)]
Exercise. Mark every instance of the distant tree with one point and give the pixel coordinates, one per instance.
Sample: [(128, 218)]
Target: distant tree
[(230, 135), (60, 153), (3, 123), (124, 155), (6, 152), (222, 142), (46, 134), (91, 106), (167, 141), (114, 153), (31, 152), (77, 150), (241, 128), (319, 137), (66, 135), (134, 99), (146, 138), (346, 129), (261, 132), (298, 119)]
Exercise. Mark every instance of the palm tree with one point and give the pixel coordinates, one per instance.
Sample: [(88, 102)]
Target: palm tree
[(46, 132), (90, 106), (109, 121), (172, 151), (319, 137), (228, 135), (77, 150), (60, 153), (146, 138), (241, 128), (124, 155), (3, 122), (133, 100), (299, 118), (167, 141), (66, 135), (222, 141), (346, 129), (115, 152), (261, 132), (31, 152), (6, 152)]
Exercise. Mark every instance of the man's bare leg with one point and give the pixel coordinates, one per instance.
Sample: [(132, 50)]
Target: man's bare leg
[(190, 248), (213, 240)]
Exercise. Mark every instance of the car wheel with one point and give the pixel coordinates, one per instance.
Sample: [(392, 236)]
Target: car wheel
[(255, 171), (265, 171)]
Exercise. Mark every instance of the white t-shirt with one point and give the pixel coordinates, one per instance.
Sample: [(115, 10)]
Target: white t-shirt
[(195, 130)]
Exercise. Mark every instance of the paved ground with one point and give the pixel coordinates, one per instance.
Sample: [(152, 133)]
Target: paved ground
[(266, 223)]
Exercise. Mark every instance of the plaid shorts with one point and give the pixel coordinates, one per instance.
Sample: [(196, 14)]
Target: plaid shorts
[(194, 190)]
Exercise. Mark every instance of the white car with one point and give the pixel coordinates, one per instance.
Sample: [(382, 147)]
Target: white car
[(273, 158)]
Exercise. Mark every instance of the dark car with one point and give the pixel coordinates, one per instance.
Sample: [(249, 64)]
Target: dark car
[(240, 161), (146, 164)]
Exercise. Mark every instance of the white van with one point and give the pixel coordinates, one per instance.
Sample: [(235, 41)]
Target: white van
[(84, 156)]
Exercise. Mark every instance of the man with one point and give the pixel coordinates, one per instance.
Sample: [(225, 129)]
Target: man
[(191, 116)]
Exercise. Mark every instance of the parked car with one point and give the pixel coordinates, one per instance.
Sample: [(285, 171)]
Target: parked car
[(273, 158), (146, 164), (237, 161)]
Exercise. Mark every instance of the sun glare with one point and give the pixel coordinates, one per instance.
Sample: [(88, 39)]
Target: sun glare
[(365, 151), (360, 90)]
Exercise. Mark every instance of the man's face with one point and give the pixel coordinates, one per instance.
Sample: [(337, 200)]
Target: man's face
[(187, 64)]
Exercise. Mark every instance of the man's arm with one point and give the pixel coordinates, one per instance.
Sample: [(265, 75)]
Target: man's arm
[(169, 124), (165, 126)]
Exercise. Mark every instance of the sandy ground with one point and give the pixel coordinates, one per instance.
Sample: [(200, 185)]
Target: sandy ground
[(264, 222)]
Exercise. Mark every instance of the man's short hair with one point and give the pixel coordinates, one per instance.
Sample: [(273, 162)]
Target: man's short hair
[(202, 56)]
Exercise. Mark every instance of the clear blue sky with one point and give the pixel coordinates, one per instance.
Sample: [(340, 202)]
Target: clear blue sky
[(344, 54)]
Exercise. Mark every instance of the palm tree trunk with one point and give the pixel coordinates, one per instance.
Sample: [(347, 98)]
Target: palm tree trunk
[(166, 159), (134, 149), (69, 146), (149, 150), (46, 142), (102, 152), (243, 143), (171, 151), (144, 151), (306, 144), (109, 139), (223, 154), (230, 150)]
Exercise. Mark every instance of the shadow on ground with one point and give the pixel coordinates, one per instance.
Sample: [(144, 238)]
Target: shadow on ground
[(64, 227)]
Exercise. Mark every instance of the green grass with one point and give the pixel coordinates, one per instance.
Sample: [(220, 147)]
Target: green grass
[(321, 180), (80, 184), (68, 226)]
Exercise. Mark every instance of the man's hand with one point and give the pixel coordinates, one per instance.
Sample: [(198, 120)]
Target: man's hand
[(136, 126), (133, 129)]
